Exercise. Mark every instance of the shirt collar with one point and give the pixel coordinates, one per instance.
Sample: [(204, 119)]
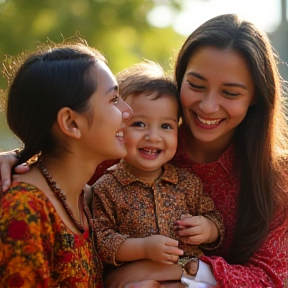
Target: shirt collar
[(122, 174)]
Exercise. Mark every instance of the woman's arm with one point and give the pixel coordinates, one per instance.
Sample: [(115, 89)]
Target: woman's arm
[(142, 270)]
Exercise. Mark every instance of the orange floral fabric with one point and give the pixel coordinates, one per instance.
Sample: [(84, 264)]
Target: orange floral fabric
[(37, 249)]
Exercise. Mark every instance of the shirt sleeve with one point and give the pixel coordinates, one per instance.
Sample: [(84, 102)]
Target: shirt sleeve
[(268, 266), (25, 245), (105, 219)]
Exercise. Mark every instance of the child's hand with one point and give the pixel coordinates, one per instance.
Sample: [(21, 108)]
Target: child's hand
[(162, 249), (195, 230)]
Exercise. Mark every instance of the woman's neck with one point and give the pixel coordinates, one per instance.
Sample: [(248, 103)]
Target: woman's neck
[(70, 173), (205, 152)]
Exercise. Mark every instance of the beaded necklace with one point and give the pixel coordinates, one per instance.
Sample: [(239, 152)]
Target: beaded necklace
[(60, 195)]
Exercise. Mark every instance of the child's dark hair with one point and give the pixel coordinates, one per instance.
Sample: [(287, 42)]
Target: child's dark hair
[(45, 82), (146, 77)]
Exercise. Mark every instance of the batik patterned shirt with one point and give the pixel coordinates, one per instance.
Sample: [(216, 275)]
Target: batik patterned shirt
[(126, 207)]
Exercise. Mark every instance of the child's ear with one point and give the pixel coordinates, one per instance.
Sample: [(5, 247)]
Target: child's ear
[(67, 122)]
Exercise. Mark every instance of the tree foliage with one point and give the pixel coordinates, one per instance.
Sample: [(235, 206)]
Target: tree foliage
[(118, 28)]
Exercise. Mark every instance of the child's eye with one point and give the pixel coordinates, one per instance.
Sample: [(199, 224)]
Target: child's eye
[(166, 126), (138, 124), (115, 99)]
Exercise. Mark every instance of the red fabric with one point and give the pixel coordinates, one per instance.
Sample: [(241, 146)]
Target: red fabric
[(101, 169), (268, 267)]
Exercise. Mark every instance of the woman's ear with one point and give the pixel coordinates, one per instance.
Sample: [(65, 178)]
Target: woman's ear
[(67, 122)]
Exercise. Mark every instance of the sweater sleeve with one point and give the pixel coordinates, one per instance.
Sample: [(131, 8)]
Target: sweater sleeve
[(105, 219), (268, 266)]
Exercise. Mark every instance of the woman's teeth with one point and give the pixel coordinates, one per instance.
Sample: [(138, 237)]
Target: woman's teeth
[(208, 122)]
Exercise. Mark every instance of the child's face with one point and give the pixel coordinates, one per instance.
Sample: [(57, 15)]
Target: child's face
[(151, 134)]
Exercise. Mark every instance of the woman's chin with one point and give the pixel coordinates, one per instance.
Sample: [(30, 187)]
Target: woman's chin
[(121, 153)]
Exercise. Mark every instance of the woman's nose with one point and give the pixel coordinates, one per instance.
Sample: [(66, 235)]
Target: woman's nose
[(126, 110), (209, 104)]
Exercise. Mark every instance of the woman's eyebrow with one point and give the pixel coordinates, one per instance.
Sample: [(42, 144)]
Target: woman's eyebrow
[(115, 88), (236, 85), (240, 85), (196, 75)]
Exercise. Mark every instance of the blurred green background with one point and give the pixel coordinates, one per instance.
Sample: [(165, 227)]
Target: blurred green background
[(125, 31)]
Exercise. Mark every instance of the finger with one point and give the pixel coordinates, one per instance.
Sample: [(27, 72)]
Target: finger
[(191, 231), (179, 227), (186, 222), (171, 242), (23, 168), (173, 258), (192, 240), (174, 251), (185, 216), (170, 259), (5, 176)]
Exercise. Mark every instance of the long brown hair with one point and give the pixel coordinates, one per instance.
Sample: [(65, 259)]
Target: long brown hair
[(261, 138)]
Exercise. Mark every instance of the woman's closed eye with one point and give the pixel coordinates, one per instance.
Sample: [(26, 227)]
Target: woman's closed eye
[(230, 93), (195, 86)]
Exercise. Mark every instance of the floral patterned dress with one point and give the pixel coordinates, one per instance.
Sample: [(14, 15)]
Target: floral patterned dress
[(37, 249)]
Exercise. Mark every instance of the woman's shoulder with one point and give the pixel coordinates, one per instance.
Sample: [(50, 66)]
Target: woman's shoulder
[(23, 197), (24, 189), (25, 208)]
